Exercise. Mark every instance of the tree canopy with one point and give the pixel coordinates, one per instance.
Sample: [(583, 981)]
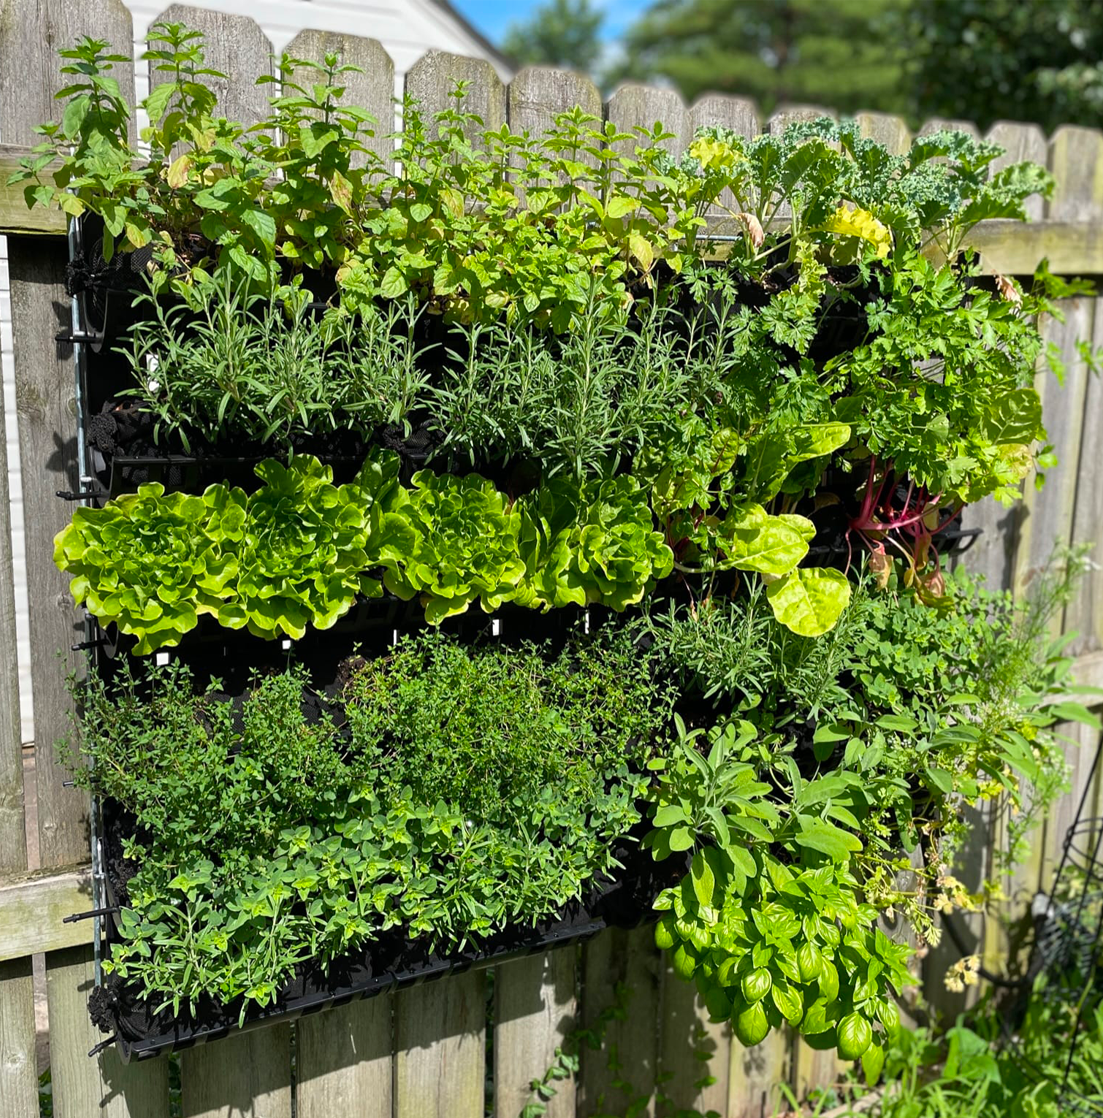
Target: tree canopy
[(837, 53), (558, 33)]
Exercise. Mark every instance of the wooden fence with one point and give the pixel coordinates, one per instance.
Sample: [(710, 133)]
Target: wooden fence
[(424, 1052)]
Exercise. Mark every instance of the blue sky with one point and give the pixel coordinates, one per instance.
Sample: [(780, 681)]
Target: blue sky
[(492, 17)]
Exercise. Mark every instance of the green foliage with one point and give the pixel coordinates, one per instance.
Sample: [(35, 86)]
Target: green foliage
[(841, 53), (449, 792), (590, 543), (840, 756), (288, 555), (465, 545), (151, 563), (1006, 61), (557, 33)]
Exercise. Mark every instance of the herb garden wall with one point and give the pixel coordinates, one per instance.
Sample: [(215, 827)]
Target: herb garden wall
[(468, 548)]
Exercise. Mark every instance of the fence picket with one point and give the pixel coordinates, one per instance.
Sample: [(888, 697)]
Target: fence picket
[(538, 94), (344, 1061), (754, 1075), (244, 1075), (18, 1074), (103, 1086), (535, 1007), (630, 1053), (691, 1048), (372, 89), (237, 47), (1020, 142), (432, 79), (642, 106), (440, 1048), (1075, 158), (886, 129), (1085, 612), (938, 123)]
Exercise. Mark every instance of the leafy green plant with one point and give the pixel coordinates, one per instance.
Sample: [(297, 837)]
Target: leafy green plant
[(301, 553), (841, 756), (152, 564), (589, 543), (464, 545), (448, 791)]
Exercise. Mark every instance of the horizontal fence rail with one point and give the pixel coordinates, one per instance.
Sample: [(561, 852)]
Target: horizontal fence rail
[(423, 1053)]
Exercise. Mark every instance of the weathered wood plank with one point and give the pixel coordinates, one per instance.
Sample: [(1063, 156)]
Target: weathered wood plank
[(13, 823), (33, 906), (1047, 514), (535, 1008), (754, 1075), (344, 1061), (691, 1048), (538, 94), (46, 404), (18, 1074), (432, 79), (15, 217), (31, 31), (642, 106), (45, 392), (1085, 613), (814, 1070), (1021, 142), (440, 1049), (237, 47), (736, 113), (244, 1075), (104, 1086), (1073, 247), (631, 1045), (887, 129), (940, 123), (1076, 162), (371, 90)]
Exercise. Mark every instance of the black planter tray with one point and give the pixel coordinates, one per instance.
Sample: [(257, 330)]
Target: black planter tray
[(391, 962)]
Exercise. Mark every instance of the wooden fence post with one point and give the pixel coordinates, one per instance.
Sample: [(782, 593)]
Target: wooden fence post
[(433, 77), (30, 33), (440, 1048), (372, 89), (535, 1007), (631, 1050)]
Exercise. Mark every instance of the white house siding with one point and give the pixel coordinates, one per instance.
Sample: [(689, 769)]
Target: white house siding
[(406, 28)]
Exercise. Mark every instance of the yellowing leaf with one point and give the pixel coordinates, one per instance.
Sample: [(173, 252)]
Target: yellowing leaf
[(620, 205), (340, 190), (713, 153), (177, 173), (809, 600), (860, 223), (641, 248)]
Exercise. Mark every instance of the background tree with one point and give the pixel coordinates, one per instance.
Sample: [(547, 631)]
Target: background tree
[(559, 33), (844, 54), (988, 60)]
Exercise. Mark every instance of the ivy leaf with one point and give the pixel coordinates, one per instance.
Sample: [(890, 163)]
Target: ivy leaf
[(809, 600)]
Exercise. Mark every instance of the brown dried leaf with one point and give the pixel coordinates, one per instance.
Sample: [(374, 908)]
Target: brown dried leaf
[(754, 228)]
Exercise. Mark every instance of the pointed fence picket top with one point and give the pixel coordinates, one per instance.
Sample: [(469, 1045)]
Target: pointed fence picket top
[(370, 88), (423, 1051), (432, 83)]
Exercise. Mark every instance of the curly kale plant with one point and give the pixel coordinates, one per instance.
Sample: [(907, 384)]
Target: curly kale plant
[(152, 564)]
